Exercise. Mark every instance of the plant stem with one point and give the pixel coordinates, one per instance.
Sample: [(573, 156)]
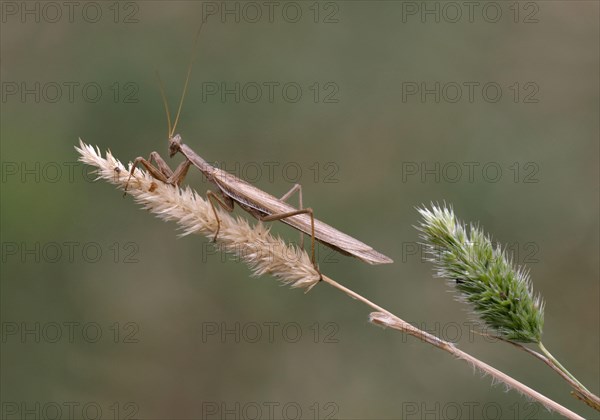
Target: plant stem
[(190, 211), (561, 367), (386, 318), (581, 393)]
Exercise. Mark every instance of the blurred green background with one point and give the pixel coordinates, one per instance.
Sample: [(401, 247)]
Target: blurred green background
[(105, 308)]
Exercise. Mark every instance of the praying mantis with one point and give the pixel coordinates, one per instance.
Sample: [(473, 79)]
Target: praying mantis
[(260, 204)]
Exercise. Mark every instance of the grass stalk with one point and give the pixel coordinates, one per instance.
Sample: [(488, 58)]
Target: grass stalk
[(266, 254)]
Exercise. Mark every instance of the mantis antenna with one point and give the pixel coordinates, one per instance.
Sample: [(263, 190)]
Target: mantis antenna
[(165, 102), (185, 86), (187, 80)]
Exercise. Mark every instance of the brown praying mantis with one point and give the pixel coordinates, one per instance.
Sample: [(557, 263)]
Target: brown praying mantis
[(260, 204)]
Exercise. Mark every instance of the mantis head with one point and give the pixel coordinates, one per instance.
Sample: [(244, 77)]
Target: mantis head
[(174, 144)]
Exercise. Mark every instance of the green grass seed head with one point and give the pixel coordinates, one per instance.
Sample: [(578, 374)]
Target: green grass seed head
[(484, 276)]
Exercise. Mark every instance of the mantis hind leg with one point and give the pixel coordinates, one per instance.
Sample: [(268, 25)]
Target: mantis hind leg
[(226, 202), (284, 197), (308, 211)]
